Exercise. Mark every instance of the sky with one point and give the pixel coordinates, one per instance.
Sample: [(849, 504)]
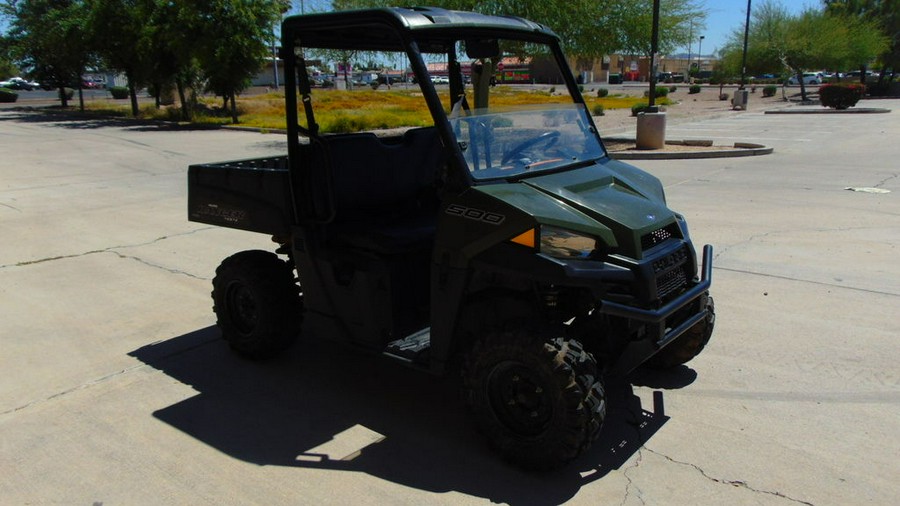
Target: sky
[(724, 16)]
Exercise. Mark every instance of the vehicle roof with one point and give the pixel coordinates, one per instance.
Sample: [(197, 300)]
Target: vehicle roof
[(377, 29)]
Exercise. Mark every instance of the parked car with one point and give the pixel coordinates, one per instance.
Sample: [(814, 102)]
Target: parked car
[(18, 83), (808, 78), (854, 75), (440, 79)]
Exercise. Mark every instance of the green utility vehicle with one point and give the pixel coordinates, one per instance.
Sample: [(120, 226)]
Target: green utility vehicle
[(499, 239)]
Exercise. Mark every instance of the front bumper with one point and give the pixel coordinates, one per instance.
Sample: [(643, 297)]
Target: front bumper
[(666, 323)]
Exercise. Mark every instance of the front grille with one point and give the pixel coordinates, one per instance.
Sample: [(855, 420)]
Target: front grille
[(670, 272), (670, 282), (659, 235)]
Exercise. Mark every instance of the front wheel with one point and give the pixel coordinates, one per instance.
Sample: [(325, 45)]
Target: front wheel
[(540, 402), (257, 303)]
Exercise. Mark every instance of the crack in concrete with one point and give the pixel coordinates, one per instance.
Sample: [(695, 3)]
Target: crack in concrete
[(734, 483), (885, 180), (149, 264), (73, 389), (112, 249), (637, 463), (10, 207), (109, 377), (636, 424), (821, 283)]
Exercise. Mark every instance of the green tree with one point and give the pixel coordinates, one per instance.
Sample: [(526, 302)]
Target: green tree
[(675, 20), (49, 38), (885, 14), (232, 42), (116, 29), (813, 40), (588, 29), (7, 67)]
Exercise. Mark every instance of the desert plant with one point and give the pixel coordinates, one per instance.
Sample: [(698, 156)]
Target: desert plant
[(661, 91), (769, 90), (553, 89), (7, 95), (598, 110), (119, 92), (602, 92), (694, 89), (639, 108), (838, 96)]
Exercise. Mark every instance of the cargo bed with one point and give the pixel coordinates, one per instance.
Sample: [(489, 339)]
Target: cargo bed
[(253, 194)]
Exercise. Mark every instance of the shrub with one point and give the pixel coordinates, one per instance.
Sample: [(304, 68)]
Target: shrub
[(69, 92), (661, 91), (580, 88), (553, 89), (119, 92), (673, 89), (841, 97), (602, 92), (598, 110), (694, 89), (639, 108), (769, 91), (7, 95), (723, 96)]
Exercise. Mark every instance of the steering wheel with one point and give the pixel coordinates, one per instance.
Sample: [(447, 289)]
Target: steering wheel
[(550, 137)]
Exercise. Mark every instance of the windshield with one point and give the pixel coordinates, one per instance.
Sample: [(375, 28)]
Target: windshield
[(502, 144)]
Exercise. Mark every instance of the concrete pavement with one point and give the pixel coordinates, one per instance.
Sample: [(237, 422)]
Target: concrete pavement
[(116, 389)]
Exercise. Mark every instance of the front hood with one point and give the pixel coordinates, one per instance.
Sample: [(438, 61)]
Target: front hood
[(612, 200)]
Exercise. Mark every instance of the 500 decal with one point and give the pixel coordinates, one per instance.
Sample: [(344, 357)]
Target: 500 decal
[(475, 214)]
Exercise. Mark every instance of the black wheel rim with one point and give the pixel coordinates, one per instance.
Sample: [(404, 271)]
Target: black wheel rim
[(242, 307), (520, 399)]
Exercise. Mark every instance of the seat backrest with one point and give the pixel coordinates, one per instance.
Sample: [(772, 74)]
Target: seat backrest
[(375, 177)]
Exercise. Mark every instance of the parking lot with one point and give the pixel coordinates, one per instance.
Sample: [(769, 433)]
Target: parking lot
[(116, 388)]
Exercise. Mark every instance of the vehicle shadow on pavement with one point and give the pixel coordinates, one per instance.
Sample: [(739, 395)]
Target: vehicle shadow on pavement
[(276, 412)]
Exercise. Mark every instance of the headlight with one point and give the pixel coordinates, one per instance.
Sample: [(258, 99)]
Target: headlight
[(566, 244)]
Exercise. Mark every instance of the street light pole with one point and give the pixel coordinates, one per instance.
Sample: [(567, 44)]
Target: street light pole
[(744, 58), (690, 44), (700, 55), (654, 48), (275, 56)]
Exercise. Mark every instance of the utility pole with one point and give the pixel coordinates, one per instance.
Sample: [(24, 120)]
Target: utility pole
[(744, 58), (687, 78), (654, 50), (700, 54)]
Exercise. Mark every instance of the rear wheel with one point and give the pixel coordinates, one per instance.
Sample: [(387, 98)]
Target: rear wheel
[(688, 345), (540, 402), (257, 303)]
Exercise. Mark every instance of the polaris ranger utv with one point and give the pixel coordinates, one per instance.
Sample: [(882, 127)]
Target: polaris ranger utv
[(499, 238)]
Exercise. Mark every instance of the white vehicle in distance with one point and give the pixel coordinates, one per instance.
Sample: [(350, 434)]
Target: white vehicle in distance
[(808, 78)]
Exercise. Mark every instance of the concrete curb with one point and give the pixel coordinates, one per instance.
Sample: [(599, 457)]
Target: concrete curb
[(742, 149), (855, 110)]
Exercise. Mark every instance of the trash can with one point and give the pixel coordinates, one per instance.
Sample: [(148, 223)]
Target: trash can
[(615, 79), (651, 130), (741, 97)]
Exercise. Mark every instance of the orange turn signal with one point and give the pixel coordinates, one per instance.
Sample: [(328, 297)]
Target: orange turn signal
[(526, 238)]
